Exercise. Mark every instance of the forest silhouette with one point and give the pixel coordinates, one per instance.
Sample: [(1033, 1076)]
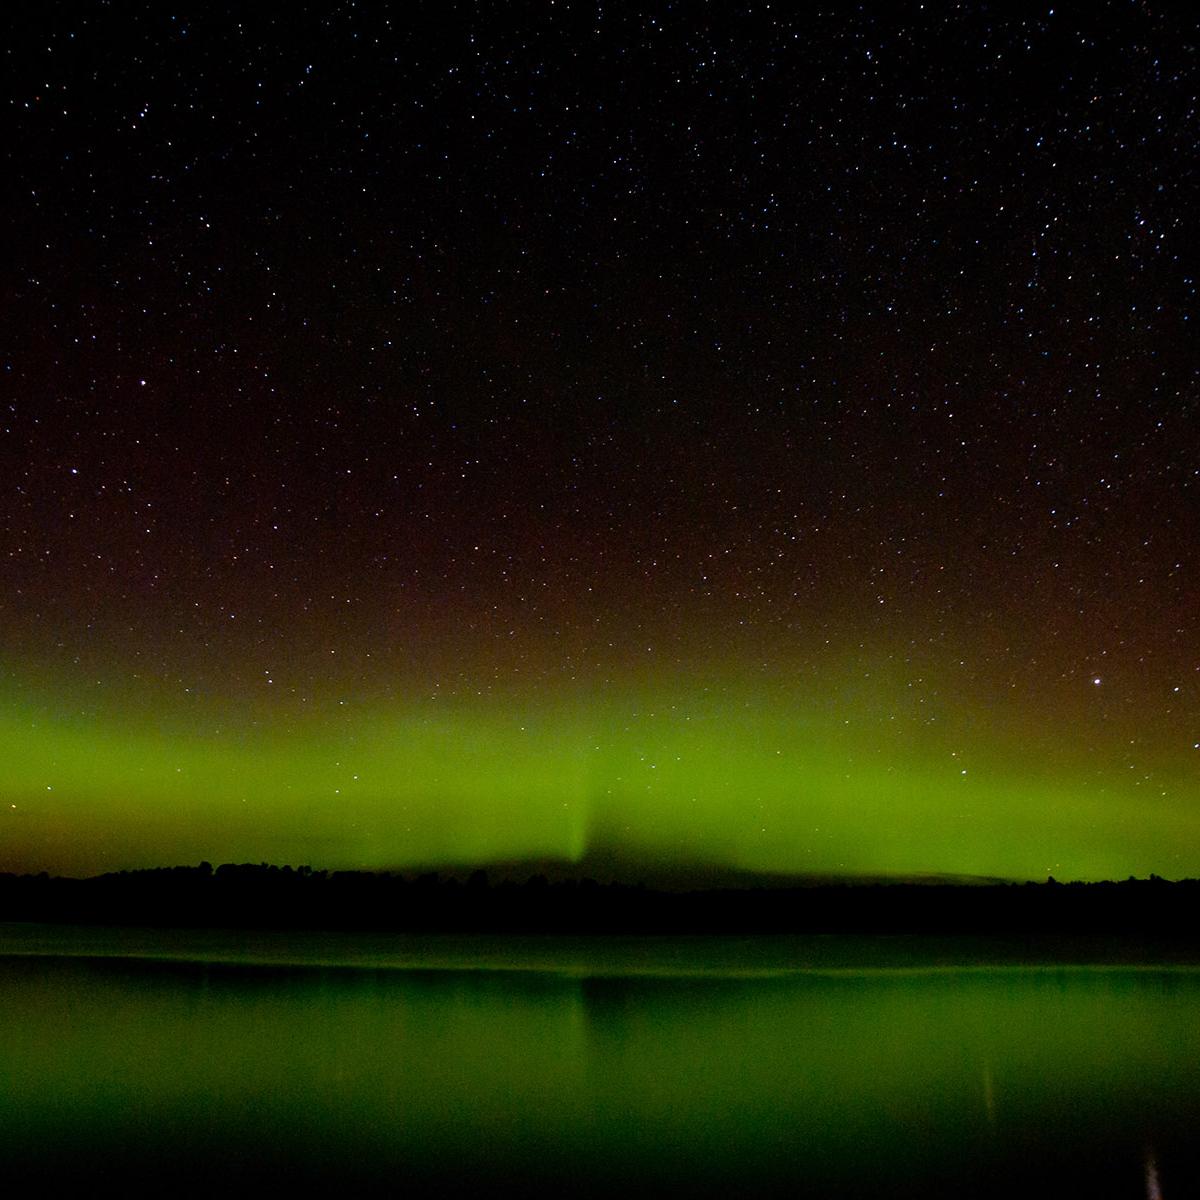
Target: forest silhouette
[(274, 897)]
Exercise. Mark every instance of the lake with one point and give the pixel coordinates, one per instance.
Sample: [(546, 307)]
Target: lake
[(827, 1067)]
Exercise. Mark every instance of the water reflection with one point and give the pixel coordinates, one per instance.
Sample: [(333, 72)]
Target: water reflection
[(989, 1094), (1153, 1191), (842, 1084)]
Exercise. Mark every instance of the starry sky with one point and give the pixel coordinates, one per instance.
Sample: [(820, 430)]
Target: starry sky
[(713, 435)]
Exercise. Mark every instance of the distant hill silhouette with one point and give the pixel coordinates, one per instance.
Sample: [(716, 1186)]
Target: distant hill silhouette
[(619, 866), (262, 896)]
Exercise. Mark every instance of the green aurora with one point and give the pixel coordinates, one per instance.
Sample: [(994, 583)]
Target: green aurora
[(656, 772)]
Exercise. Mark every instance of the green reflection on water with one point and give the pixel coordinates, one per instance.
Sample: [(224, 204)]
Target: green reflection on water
[(999, 1080)]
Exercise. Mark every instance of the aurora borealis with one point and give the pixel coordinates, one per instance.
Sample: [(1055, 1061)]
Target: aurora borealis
[(762, 781), (441, 436)]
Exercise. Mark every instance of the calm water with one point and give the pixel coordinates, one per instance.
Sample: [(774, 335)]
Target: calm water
[(696, 1067)]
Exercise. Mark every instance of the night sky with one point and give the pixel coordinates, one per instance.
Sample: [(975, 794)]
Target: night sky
[(688, 434)]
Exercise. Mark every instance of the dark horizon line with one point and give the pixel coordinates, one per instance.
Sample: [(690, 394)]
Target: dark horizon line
[(626, 873), (263, 896)]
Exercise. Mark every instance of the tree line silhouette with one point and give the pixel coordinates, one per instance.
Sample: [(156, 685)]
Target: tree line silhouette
[(272, 897)]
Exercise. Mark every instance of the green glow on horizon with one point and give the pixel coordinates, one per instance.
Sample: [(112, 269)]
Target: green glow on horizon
[(660, 775)]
